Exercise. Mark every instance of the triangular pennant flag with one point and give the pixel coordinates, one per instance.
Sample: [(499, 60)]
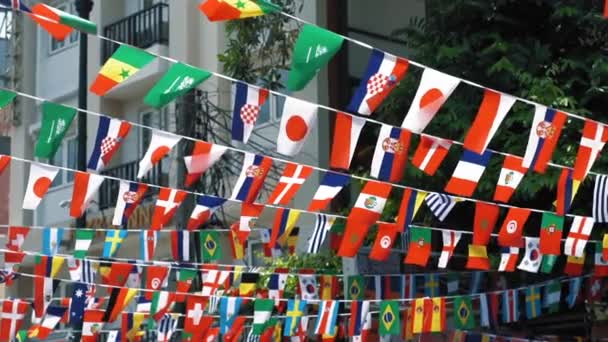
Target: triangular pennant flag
[(492, 111), (580, 230), (478, 258), (129, 197), (551, 229), (166, 205), (419, 249), (60, 24), (593, 140), (56, 120), (83, 242), (210, 246), (510, 233), (532, 259), (110, 135), (248, 102), (450, 240), (292, 178), (387, 234), (347, 129), (123, 64), (566, 190), (545, 131), (51, 240), (299, 118), (410, 203), (430, 153), (219, 10), (204, 155), (511, 174), (250, 181), (40, 180), (177, 81), (486, 215), (390, 155), (6, 97), (440, 204), (113, 241), (203, 210), (468, 172), (85, 187), (161, 144)]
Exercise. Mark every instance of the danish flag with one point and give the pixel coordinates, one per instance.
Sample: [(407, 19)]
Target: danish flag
[(166, 205), (290, 182), (593, 140)]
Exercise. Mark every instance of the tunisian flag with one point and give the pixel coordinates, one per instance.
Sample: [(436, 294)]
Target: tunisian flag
[(366, 211), (512, 228)]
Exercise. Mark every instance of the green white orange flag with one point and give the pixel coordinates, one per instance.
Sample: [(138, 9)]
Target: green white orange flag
[(56, 120), (176, 82), (314, 48), (124, 63), (218, 10), (58, 23)]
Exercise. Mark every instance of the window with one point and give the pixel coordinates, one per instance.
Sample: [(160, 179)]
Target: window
[(150, 119), (72, 39), (66, 156), (272, 111)]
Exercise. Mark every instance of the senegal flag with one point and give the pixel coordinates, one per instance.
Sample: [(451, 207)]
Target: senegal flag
[(218, 10), (124, 63), (60, 24)]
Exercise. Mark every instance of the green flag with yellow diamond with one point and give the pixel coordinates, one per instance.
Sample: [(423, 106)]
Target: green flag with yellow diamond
[(463, 313), (355, 287), (177, 81), (389, 318), (210, 246), (56, 121)]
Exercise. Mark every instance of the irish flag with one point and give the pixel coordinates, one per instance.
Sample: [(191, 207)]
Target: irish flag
[(124, 63), (60, 24), (218, 10)]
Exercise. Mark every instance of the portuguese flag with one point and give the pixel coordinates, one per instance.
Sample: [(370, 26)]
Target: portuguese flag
[(60, 24), (218, 10), (124, 63)]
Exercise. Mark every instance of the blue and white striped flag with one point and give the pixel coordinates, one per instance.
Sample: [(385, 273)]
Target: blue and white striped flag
[(322, 226), (574, 287), (214, 302), (166, 327), (51, 240), (440, 204), (89, 271), (600, 199)]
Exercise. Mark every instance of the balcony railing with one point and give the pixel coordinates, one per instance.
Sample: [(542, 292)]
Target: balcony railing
[(109, 190), (141, 29)]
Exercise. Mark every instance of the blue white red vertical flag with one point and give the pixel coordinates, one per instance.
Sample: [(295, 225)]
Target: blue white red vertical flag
[(347, 129), (434, 89), (294, 175), (440, 204), (390, 155), (166, 327), (358, 313), (147, 244), (85, 187), (248, 102), (110, 135), (298, 119), (15, 4), (130, 195), (409, 286), (492, 111), (250, 181), (204, 155), (180, 245), (384, 71), (593, 140), (327, 317), (546, 128), (600, 199), (430, 153), (51, 240), (203, 210), (331, 184), (323, 224), (469, 170), (510, 306)]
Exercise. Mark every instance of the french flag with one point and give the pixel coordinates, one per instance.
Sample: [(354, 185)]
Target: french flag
[(251, 179), (180, 245), (390, 155), (85, 187), (204, 155), (469, 170), (546, 129), (430, 153), (205, 207), (330, 186), (248, 102), (346, 135), (383, 73), (130, 194), (110, 135)]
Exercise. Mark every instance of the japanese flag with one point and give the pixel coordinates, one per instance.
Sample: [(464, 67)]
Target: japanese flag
[(299, 117), (41, 177), (160, 145)]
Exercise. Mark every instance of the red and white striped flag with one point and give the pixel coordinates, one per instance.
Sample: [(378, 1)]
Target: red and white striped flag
[(346, 135), (493, 110), (430, 154), (204, 155), (85, 187)]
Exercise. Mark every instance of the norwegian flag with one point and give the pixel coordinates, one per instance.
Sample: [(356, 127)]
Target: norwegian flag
[(511, 174), (248, 102), (450, 240), (593, 140), (166, 205), (85, 187), (250, 181), (430, 154), (110, 135), (578, 236), (294, 175), (204, 209), (130, 195), (384, 72), (204, 155)]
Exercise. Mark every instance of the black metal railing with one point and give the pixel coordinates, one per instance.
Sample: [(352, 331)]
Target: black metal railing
[(141, 29), (109, 190)]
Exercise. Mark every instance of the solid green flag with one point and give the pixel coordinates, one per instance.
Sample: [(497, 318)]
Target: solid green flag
[(178, 80), (463, 313), (262, 310), (389, 318), (211, 248), (83, 242), (6, 97), (547, 263), (355, 286), (314, 48), (56, 120)]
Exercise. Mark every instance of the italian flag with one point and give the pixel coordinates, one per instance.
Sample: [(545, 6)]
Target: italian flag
[(218, 10), (60, 24), (124, 63)]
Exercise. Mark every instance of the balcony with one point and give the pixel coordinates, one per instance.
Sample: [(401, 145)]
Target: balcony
[(109, 190), (141, 29)]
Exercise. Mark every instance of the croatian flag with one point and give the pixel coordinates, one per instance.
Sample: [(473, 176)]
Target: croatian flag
[(205, 207), (130, 194), (248, 102), (383, 73), (251, 179), (390, 155), (15, 4), (469, 170), (110, 135), (546, 128), (330, 186)]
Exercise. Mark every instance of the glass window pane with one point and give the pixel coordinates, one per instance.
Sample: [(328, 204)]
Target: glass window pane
[(58, 160), (72, 158)]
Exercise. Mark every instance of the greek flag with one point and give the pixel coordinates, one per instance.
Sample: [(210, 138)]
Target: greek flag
[(166, 327), (440, 204), (322, 226), (89, 271), (600, 199)]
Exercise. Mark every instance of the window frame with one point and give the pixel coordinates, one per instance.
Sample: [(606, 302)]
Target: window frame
[(66, 177)]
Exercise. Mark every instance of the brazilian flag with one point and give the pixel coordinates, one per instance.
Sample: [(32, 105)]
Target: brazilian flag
[(389, 318), (210, 246), (463, 313), (355, 287)]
